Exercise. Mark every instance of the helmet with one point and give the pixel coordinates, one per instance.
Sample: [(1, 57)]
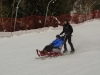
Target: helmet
[(58, 36)]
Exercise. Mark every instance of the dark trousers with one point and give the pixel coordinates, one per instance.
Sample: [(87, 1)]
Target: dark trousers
[(48, 48), (68, 37)]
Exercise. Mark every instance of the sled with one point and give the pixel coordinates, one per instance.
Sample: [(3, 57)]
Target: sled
[(52, 53)]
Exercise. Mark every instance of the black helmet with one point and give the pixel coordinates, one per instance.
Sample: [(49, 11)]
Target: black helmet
[(58, 36)]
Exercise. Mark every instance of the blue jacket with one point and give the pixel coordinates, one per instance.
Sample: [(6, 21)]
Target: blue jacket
[(57, 42)]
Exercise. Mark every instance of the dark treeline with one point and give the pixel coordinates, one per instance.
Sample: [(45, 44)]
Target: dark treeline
[(39, 7)]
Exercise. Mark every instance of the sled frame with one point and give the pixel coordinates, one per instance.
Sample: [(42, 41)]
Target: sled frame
[(54, 54)]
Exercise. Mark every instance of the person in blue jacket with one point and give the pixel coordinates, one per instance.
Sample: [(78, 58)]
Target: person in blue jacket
[(55, 44)]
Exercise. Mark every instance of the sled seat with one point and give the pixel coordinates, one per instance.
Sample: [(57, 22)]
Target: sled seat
[(57, 51)]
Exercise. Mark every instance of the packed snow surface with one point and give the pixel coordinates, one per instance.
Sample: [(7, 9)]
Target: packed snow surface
[(18, 53)]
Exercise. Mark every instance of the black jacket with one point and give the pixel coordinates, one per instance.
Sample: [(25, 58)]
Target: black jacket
[(67, 29)]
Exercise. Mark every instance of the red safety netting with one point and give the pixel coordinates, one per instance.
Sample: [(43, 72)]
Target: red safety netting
[(34, 22)]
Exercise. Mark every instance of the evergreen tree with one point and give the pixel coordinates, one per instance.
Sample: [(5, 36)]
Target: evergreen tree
[(39, 7)]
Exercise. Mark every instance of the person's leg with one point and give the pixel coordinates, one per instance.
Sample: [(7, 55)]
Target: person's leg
[(45, 49), (48, 48), (65, 45), (70, 43)]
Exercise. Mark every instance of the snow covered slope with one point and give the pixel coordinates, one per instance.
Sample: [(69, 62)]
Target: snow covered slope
[(17, 54)]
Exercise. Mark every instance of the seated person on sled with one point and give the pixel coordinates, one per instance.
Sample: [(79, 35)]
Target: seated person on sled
[(54, 46)]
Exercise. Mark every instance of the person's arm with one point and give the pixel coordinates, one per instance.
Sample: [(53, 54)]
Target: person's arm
[(53, 42), (58, 44)]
